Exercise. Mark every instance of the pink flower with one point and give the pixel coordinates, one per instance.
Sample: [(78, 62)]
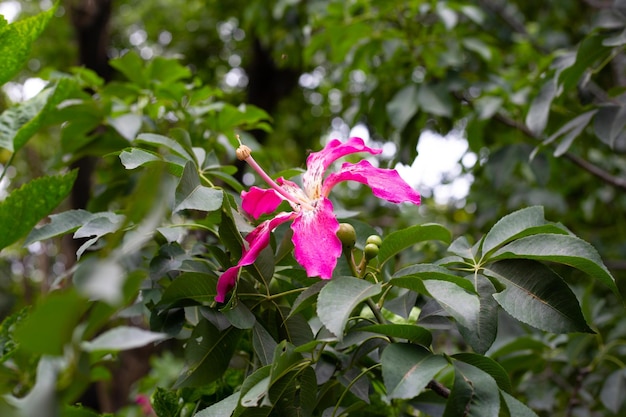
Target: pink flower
[(316, 245)]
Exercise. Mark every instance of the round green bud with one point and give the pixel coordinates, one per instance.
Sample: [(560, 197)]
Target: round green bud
[(375, 239), (347, 235), (370, 251)]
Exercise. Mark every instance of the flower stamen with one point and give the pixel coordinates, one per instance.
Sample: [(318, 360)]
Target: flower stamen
[(245, 154)]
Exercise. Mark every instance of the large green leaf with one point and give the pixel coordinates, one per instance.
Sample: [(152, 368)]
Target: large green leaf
[(20, 122), (563, 249), (16, 40), (402, 239), (539, 110), (412, 277), (475, 315), (50, 326), (224, 408), (511, 225), (207, 354), (263, 344), (190, 194), (536, 295), (339, 297), (24, 207), (407, 369), (474, 393)]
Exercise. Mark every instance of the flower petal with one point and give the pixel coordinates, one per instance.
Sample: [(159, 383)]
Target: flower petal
[(318, 162), (259, 201), (316, 245), (258, 239), (385, 183)]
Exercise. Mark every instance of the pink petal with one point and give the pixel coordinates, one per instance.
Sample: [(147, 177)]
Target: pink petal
[(318, 162), (258, 201), (316, 245), (385, 183), (258, 239)]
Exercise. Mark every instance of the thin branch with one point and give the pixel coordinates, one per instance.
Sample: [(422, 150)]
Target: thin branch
[(438, 388), (582, 163)]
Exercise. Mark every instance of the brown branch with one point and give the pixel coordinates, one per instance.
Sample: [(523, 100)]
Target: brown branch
[(582, 163), (439, 388)]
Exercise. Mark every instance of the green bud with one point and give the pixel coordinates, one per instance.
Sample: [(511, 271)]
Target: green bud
[(375, 239), (370, 251), (347, 235)]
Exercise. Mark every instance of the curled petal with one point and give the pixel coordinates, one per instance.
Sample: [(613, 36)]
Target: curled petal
[(318, 162), (385, 183), (316, 245), (257, 239), (258, 201)]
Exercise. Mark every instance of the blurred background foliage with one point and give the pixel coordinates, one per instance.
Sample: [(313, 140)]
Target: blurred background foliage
[(533, 95)]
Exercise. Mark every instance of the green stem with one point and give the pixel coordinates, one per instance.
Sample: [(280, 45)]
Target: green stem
[(6, 166)]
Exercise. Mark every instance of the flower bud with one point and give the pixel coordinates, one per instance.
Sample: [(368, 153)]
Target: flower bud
[(347, 235), (370, 251), (375, 239)]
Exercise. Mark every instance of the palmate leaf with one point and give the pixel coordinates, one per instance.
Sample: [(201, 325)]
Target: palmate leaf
[(536, 295), (407, 369), (24, 207), (207, 354), (563, 249)]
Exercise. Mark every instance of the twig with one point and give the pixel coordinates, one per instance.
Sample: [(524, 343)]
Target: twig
[(438, 388)]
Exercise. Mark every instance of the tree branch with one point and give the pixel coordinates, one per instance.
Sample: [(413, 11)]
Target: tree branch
[(439, 388), (582, 163)]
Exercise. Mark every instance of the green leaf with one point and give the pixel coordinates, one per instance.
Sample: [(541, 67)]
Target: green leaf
[(199, 287), (240, 316), (515, 407), (59, 224), (476, 316), (160, 140), (285, 360), (474, 393), (412, 277), (51, 324), (403, 106), (295, 394), (407, 369), (165, 403), (263, 344), (411, 332), (402, 239), (16, 40), (493, 368), (8, 344), (224, 408), (132, 66), (590, 51), (254, 388), (24, 207), (539, 111), (536, 295), (570, 131), (610, 121), (612, 393), (136, 157), (122, 338), (191, 195), (339, 297), (435, 99), (207, 354), (563, 249), (518, 224), (127, 125), (20, 122)]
